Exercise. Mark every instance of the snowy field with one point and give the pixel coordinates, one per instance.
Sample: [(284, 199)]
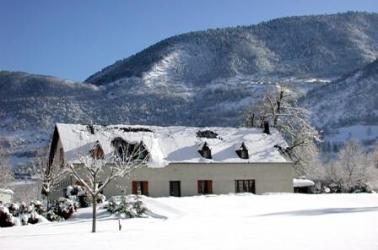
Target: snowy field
[(279, 221)]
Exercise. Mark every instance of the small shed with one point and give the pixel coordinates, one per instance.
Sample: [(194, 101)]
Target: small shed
[(303, 186), (6, 195)]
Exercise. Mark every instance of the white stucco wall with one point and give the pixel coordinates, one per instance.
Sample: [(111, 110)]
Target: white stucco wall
[(269, 177)]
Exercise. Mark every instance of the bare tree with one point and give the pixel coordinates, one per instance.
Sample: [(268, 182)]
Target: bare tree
[(48, 175), (374, 156), (279, 109), (255, 115), (51, 176), (6, 174), (96, 168), (354, 164), (373, 168), (351, 169)]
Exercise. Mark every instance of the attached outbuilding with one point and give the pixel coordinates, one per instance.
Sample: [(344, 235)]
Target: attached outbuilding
[(182, 161), (303, 185)]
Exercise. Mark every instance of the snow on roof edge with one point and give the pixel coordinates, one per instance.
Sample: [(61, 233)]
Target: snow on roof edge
[(177, 144), (6, 191), (303, 183)]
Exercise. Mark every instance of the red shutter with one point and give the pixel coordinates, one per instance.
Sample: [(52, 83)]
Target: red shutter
[(199, 187), (135, 187), (210, 186), (145, 188)]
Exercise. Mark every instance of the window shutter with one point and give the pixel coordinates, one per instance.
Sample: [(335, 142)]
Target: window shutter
[(210, 186), (145, 187), (199, 187), (134, 187)]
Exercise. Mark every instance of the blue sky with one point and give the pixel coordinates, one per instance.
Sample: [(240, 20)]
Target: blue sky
[(72, 39)]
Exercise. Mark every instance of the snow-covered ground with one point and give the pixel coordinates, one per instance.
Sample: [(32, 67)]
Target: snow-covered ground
[(277, 221)]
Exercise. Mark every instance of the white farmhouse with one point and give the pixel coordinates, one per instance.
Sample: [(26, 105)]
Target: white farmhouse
[(183, 161)]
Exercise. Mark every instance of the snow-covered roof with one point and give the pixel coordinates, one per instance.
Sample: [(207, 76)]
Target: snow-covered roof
[(174, 144), (6, 191), (303, 183)]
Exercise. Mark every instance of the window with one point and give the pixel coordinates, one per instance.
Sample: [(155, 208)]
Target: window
[(245, 186), (140, 187), (175, 188), (205, 186)]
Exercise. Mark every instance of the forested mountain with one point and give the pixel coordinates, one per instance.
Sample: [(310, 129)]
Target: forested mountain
[(347, 107), (306, 46), (209, 78)]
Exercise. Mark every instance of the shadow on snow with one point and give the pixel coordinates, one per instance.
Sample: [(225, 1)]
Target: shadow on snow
[(324, 211)]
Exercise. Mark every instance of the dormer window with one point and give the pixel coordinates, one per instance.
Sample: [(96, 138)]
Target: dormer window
[(130, 151), (242, 152), (97, 152), (122, 148), (205, 151), (142, 152)]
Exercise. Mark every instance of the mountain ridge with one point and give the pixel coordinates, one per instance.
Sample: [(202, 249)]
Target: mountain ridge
[(206, 79), (263, 48)]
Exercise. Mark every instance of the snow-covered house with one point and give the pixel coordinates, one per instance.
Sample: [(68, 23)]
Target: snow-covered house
[(6, 195), (184, 161)]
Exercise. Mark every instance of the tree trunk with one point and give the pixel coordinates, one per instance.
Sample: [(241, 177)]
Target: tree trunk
[(47, 201), (278, 110), (94, 207)]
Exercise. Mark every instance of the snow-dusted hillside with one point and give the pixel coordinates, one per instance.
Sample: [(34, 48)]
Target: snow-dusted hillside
[(31, 104), (206, 78), (317, 46), (280, 221), (347, 108)]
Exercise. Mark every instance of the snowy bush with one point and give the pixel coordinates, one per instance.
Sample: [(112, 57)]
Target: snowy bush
[(78, 194), (128, 207), (52, 216), (38, 207), (34, 218), (12, 214), (6, 218), (83, 200), (339, 187), (13, 208), (62, 209)]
